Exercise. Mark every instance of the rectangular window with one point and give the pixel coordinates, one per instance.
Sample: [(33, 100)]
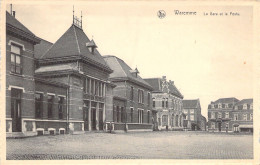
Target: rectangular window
[(227, 115), (96, 88), (132, 115), (219, 115), (191, 111), (16, 59), (60, 106), (166, 103), (148, 116), (164, 120), (140, 96), (92, 87), (38, 105), (251, 116), (235, 117), (213, 125), (212, 115), (192, 117), (163, 102), (50, 105), (87, 85), (154, 102), (148, 99), (114, 113), (185, 111), (132, 93), (245, 117)]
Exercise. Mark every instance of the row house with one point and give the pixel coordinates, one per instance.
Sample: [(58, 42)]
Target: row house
[(192, 110), (132, 100), (230, 114), (167, 101)]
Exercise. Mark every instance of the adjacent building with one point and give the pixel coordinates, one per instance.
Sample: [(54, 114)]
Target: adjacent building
[(231, 114), (192, 110), (167, 101), (132, 98)]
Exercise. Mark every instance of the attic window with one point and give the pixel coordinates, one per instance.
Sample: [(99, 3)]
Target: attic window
[(91, 46), (134, 72)]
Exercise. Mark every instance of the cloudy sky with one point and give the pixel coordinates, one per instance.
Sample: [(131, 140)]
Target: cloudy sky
[(207, 57)]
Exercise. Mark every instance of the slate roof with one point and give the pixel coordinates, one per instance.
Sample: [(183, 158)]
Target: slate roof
[(156, 83), (41, 48), (226, 100), (16, 27), (73, 43), (122, 71), (190, 103), (14, 22), (244, 101)]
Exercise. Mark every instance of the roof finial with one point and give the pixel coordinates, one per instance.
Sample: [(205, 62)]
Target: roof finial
[(73, 14), (81, 19)]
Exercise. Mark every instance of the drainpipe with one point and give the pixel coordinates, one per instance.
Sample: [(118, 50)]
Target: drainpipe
[(67, 119)]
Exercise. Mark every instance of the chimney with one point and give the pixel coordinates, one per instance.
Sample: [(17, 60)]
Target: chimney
[(171, 82), (164, 77), (14, 14)]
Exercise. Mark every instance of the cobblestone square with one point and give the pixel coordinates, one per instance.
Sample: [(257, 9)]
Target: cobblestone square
[(141, 145)]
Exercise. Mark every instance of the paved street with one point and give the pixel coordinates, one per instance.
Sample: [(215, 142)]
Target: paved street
[(142, 145)]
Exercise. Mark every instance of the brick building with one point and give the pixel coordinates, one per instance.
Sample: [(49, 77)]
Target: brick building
[(132, 101), (192, 110), (230, 114), (54, 88), (203, 123), (167, 101)]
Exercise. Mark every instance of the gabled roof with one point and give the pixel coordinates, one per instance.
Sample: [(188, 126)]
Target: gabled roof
[(41, 48), (16, 27), (73, 43), (157, 84), (244, 101), (226, 100), (14, 22), (190, 103), (122, 71)]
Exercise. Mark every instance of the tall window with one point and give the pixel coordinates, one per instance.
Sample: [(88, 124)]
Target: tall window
[(251, 106), (122, 114), (219, 105), (16, 59), (87, 85), (251, 116), (245, 117), (38, 105), (114, 113), (192, 117), (245, 106), (132, 93), (164, 120), (140, 96), (92, 87), (212, 115), (50, 105), (213, 125), (227, 115), (132, 115), (16, 109), (140, 116), (163, 102), (96, 88), (153, 102), (60, 106), (118, 114), (166, 103), (235, 117), (148, 99), (148, 116), (191, 111), (219, 115)]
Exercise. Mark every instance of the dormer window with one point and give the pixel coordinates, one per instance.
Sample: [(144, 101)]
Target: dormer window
[(212, 106), (245, 106), (251, 106), (219, 105), (91, 46), (226, 105), (134, 72)]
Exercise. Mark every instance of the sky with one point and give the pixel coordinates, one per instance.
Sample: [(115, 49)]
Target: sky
[(207, 57)]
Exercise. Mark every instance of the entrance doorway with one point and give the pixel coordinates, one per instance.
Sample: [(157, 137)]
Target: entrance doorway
[(93, 116), (219, 126), (16, 110), (100, 124), (85, 115)]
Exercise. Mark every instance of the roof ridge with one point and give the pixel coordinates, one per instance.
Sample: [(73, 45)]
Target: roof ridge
[(76, 39)]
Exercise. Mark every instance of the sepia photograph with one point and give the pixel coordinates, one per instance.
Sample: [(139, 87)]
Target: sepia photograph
[(106, 80)]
